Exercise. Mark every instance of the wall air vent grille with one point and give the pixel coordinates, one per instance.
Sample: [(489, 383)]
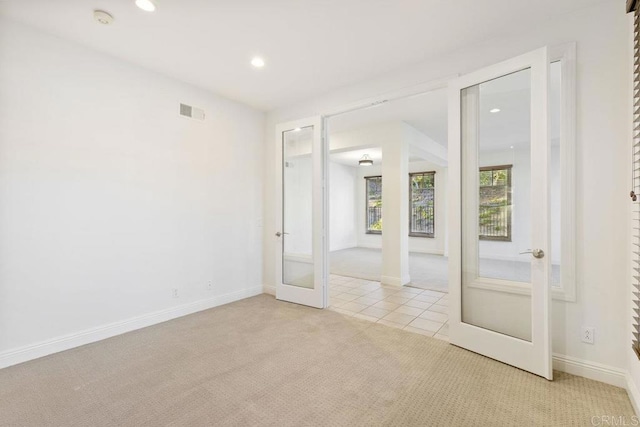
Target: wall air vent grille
[(191, 112)]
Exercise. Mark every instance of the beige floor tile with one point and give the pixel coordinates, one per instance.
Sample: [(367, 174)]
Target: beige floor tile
[(418, 331), (405, 294), (434, 294), (425, 298), (370, 286), (337, 302), (365, 317), (439, 308), (396, 299), (412, 290), (381, 293), (358, 291), (444, 330), (350, 285), (443, 303), (441, 337), (366, 300), (435, 316), (386, 305), (411, 311), (418, 304), (353, 306), (376, 312), (403, 319), (346, 297), (392, 324), (426, 324)]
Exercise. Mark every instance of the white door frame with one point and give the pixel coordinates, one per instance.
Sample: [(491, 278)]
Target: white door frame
[(534, 356), (318, 296)]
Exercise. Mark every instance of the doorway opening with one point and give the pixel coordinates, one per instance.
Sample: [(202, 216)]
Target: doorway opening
[(387, 217)]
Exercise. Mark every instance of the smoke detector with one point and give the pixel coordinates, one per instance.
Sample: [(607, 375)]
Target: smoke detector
[(102, 17)]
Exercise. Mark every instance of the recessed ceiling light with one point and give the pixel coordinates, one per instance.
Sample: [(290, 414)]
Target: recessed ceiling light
[(297, 129), (511, 146), (257, 62), (494, 110), (146, 5)]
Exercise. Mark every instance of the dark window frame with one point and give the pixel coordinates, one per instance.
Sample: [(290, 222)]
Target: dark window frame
[(367, 220), (508, 205), (417, 233)]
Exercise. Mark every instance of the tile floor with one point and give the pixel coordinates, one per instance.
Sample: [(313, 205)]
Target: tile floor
[(415, 310)]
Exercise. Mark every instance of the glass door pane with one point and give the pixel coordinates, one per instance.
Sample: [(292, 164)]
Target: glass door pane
[(297, 207), (496, 205)]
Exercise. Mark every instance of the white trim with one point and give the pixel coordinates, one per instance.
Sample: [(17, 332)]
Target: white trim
[(301, 258), (534, 355), (405, 92), (591, 370), (66, 342), (566, 53), (632, 391), (317, 295), (395, 281)]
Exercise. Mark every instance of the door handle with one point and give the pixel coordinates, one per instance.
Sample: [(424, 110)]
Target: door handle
[(278, 234), (537, 253)]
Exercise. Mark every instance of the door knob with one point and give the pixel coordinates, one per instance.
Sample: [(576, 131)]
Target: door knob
[(537, 253)]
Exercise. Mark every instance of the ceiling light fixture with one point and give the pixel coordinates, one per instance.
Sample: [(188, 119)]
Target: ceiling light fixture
[(297, 129), (257, 62), (494, 110), (102, 17), (365, 161), (146, 5)]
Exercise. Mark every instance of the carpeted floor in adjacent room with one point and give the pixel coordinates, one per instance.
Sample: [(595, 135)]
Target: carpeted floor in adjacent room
[(264, 362)]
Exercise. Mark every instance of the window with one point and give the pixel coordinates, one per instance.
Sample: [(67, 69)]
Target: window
[(495, 203), (374, 204), (422, 204)]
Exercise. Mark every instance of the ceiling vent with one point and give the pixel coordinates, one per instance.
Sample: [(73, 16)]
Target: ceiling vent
[(191, 112)]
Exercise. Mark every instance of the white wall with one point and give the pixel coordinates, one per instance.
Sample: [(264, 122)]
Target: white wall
[(109, 199), (343, 202), (602, 123)]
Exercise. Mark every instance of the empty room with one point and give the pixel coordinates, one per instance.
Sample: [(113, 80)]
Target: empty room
[(319, 213)]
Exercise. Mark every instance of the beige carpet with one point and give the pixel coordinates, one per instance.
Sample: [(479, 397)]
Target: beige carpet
[(264, 362)]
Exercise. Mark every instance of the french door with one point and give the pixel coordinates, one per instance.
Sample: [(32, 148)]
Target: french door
[(301, 217), (499, 267)]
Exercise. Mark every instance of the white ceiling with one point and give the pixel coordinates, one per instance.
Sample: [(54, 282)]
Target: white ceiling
[(428, 112), (310, 47), (351, 158)]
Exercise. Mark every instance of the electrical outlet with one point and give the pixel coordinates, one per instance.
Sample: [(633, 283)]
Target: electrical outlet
[(174, 292), (588, 334)]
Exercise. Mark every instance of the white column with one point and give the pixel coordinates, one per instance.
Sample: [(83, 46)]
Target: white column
[(395, 213)]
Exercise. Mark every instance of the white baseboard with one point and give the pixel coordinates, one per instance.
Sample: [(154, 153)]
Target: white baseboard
[(66, 342), (591, 370), (395, 281), (269, 289), (634, 395)]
